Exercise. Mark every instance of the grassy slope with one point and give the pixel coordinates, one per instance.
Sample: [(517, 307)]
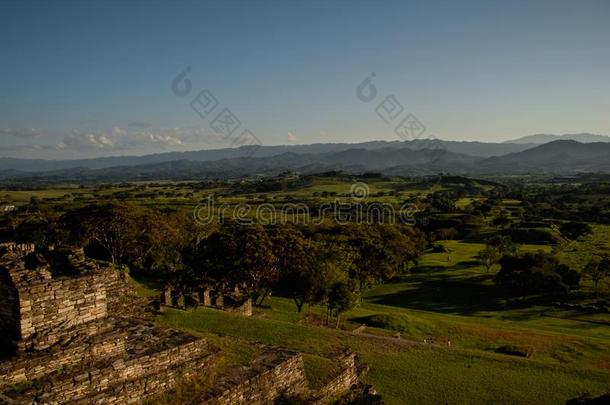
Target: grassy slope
[(449, 299), (449, 295)]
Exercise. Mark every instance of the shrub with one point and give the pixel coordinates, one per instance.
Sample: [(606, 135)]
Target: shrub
[(531, 235), (535, 273), (513, 350), (398, 323), (439, 248), (574, 230)]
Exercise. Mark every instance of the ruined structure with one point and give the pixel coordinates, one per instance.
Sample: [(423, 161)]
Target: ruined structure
[(64, 340), (69, 334), (234, 303)]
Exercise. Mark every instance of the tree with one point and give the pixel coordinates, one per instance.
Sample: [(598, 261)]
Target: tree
[(574, 230), (295, 260), (489, 256), (597, 270), (341, 297), (502, 220), (160, 248), (504, 244), (535, 273), (114, 227), (235, 255), (381, 251), (144, 239)]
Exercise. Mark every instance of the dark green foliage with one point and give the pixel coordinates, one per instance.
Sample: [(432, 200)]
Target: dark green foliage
[(531, 235), (235, 255), (535, 273), (574, 230), (398, 323), (512, 350)]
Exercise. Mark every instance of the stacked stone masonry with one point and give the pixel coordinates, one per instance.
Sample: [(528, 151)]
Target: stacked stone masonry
[(70, 335), (59, 338), (273, 375), (346, 379), (280, 374)]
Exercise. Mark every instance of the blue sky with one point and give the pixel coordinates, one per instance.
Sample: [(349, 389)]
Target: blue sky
[(84, 78)]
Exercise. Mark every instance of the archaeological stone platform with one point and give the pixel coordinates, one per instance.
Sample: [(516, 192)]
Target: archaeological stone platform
[(69, 334)]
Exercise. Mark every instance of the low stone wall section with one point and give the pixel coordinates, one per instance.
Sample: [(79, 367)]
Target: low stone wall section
[(274, 375), (95, 349), (121, 379), (346, 379)]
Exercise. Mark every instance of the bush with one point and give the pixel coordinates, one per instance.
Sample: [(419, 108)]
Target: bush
[(438, 248), (535, 273), (531, 235), (398, 323), (574, 230), (512, 350)]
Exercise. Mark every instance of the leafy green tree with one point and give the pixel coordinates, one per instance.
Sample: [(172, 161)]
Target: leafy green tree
[(504, 244), (502, 220), (597, 270), (489, 256), (144, 239), (575, 230), (535, 273), (235, 255), (341, 297), (114, 227), (295, 260)]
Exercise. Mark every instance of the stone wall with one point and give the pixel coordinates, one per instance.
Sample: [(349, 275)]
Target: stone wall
[(94, 349), (9, 312), (123, 366), (51, 308), (72, 321), (91, 381), (244, 308), (345, 380), (274, 375), (136, 391), (281, 374), (46, 295)]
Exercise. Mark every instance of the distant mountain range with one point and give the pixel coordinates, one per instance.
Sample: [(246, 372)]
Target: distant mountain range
[(481, 149), (553, 157), (392, 158), (546, 138)]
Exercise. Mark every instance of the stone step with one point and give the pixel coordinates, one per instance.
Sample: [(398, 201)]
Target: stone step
[(147, 370), (88, 350)]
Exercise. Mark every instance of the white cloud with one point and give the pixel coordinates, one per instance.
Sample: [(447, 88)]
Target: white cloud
[(292, 137), (21, 132), (134, 139)]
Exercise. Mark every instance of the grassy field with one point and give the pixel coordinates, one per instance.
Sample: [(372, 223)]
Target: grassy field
[(448, 296)]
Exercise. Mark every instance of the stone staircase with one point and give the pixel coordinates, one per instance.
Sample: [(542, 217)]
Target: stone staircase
[(126, 365)]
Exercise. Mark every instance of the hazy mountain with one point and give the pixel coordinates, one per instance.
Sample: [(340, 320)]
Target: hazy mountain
[(553, 157), (545, 138), (481, 149), (352, 161), (558, 157)]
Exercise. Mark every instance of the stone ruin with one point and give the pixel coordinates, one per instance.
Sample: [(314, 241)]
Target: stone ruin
[(234, 302), (69, 334)]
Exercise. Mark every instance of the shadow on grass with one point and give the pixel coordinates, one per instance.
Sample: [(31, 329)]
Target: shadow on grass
[(454, 290), (429, 289)]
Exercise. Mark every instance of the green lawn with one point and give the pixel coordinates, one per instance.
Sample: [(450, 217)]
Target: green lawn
[(403, 372), (448, 296)]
